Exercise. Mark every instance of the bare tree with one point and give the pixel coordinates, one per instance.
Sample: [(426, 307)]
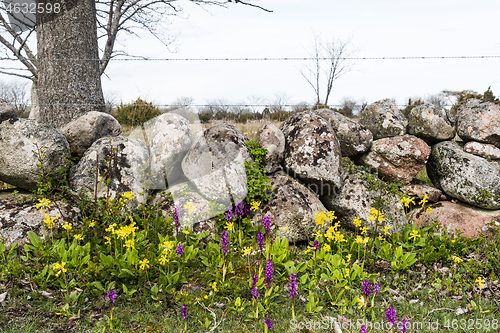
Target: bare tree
[(110, 17), (329, 61), (16, 94)]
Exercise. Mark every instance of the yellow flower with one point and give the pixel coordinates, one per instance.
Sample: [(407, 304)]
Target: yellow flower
[(79, 237), (317, 234), (414, 234), (44, 203), (380, 237), (386, 228), (407, 201), (246, 251), (111, 228), (361, 302), (346, 287), (205, 297), (50, 221), (331, 216), (349, 257), (167, 246), (229, 226), (185, 232), (108, 240), (326, 247), (429, 209), (376, 215), (453, 241), (144, 264), (67, 226), (128, 195), (163, 259), (364, 230), (285, 228), (357, 222), (347, 271), (190, 207), (320, 218), (255, 205), (59, 268), (456, 259), (423, 201), (480, 282), (361, 240), (91, 224), (129, 244), (214, 286)]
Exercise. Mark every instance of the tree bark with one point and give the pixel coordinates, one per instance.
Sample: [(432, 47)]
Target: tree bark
[(68, 85)]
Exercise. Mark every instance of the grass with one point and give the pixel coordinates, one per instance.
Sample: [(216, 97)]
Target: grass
[(59, 284)]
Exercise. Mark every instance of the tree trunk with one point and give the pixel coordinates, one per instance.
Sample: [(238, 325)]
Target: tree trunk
[(64, 85)]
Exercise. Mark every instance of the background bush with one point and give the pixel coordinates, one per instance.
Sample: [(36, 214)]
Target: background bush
[(136, 113)]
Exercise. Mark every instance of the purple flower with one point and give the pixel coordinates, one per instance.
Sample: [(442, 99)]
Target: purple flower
[(266, 223), (292, 286), (366, 288), (316, 246), (404, 325), (256, 262), (176, 218), (229, 214), (269, 324), (255, 292), (260, 241), (224, 242), (376, 288), (390, 315), (238, 210), (179, 249), (269, 270), (247, 209), (363, 329), (273, 238), (183, 311), (350, 264), (111, 296)]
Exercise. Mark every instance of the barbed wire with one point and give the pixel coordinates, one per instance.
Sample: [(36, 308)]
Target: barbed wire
[(176, 106), (261, 58)]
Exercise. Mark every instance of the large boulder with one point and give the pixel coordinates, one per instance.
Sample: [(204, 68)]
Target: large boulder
[(431, 123), (127, 171), (464, 176), (353, 137), (21, 140), (81, 133), (470, 220), (312, 152), (355, 201), (170, 140), (271, 138), (6, 111), (195, 212), (383, 119), (479, 121), (483, 149), (215, 164), (420, 189), (292, 208), (18, 217), (397, 158)]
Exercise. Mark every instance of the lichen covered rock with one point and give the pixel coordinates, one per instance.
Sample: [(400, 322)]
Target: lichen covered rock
[(431, 123), (383, 119), (312, 152)]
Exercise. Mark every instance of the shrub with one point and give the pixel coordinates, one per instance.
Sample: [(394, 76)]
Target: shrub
[(136, 113)]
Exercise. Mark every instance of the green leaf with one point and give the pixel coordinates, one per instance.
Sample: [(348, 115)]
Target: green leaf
[(34, 239)]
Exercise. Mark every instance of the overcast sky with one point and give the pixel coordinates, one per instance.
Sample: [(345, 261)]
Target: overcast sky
[(383, 28)]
